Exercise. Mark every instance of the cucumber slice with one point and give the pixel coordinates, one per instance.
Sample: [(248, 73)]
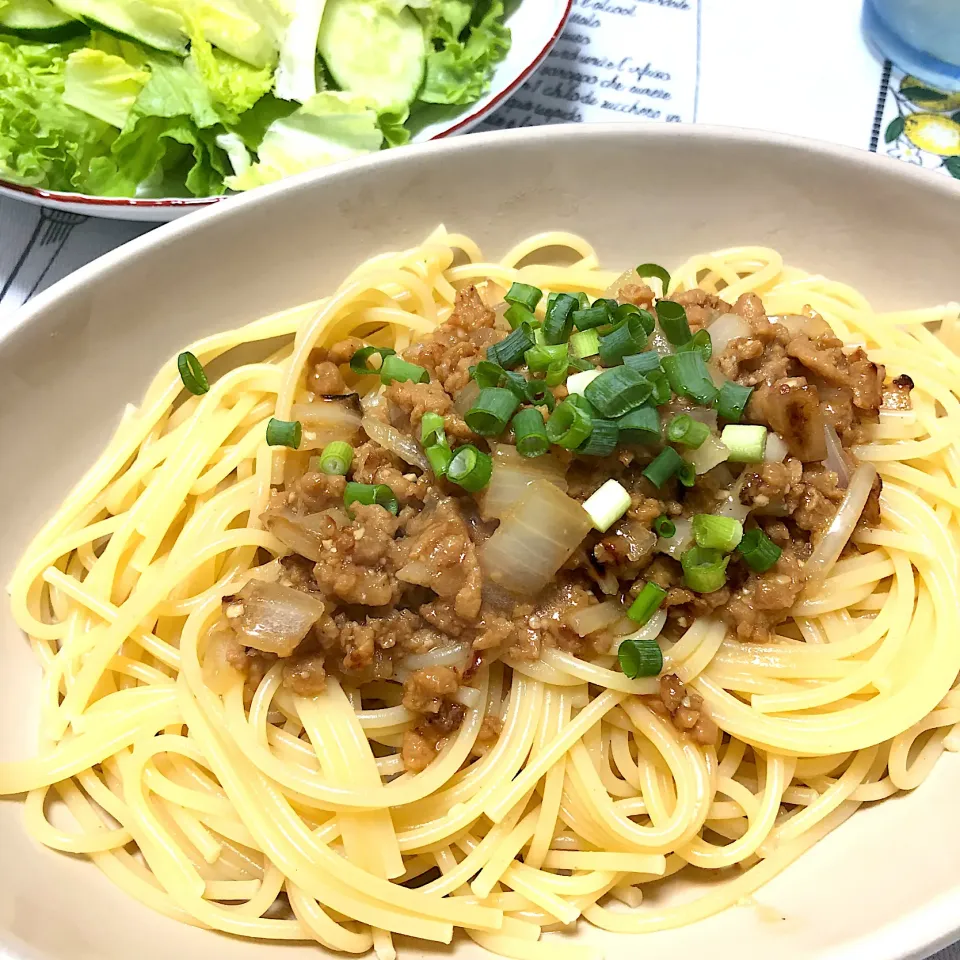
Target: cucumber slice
[(38, 20), (372, 51), (140, 20)]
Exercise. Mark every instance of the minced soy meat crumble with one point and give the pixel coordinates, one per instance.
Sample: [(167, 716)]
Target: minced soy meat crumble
[(394, 546)]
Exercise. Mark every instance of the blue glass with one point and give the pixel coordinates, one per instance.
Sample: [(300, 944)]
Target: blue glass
[(921, 37)]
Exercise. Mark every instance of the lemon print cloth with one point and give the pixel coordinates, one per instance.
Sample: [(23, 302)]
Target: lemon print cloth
[(926, 127)]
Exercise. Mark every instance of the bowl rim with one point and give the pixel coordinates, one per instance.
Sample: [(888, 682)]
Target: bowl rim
[(190, 203), (927, 929)]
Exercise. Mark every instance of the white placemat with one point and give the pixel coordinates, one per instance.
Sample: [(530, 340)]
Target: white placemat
[(794, 66)]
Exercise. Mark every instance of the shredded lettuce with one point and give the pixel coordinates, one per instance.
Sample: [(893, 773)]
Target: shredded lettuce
[(103, 85), (233, 85), (297, 72), (329, 127)]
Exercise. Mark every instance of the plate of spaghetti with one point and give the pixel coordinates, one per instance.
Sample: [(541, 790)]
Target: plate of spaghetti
[(531, 587)]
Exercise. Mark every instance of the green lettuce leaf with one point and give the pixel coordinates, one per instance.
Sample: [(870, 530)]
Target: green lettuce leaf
[(235, 86), (459, 71), (297, 72), (329, 127), (391, 123), (44, 141), (103, 85)]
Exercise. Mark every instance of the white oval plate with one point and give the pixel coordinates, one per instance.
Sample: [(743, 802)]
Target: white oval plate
[(536, 26), (886, 885)]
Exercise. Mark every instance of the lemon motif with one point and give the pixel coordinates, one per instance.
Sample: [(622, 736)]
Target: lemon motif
[(934, 133), (926, 97)]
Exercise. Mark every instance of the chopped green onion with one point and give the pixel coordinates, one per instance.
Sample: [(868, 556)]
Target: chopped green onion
[(663, 467), (647, 319), (747, 442), (717, 533), (192, 374), (586, 343), (284, 433), (577, 382), (540, 395), (759, 551), (491, 412), (618, 391), (489, 374), (661, 388), (432, 429), (647, 603), (640, 658), (358, 362), (538, 337), (396, 370), (582, 403), (530, 433), (626, 339), (704, 571), (673, 321), (607, 505), (336, 458), (569, 425), (687, 431), (655, 270), (518, 314), (558, 324), (598, 315), (579, 364), (664, 527), (539, 358), (439, 456), (641, 425), (602, 440), (510, 350), (700, 342), (524, 294), (470, 468), (687, 474), (689, 377), (732, 401), (369, 494), (643, 362)]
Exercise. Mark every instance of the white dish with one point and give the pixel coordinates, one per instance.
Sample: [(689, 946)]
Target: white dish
[(536, 26), (885, 885)]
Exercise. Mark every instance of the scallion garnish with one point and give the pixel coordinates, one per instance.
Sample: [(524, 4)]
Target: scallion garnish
[(661, 387), (664, 527), (663, 467), (489, 374), (551, 360), (358, 362), (336, 458), (704, 571), (394, 369), (192, 374), (523, 294), (655, 270), (599, 315), (510, 350), (732, 401), (540, 395), (439, 456), (618, 391), (530, 433), (625, 339), (470, 468), (673, 321), (689, 377), (607, 505), (683, 429), (687, 474), (747, 442), (717, 533), (647, 603), (640, 658), (643, 362), (491, 412), (586, 343), (758, 550), (700, 342), (602, 440), (569, 425), (641, 425), (369, 494), (558, 324), (284, 433), (433, 438), (517, 314)]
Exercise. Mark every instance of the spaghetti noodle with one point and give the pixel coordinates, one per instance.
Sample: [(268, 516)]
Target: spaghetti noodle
[(291, 817)]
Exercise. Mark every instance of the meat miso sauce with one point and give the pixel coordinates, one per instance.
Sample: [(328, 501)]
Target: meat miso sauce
[(594, 482)]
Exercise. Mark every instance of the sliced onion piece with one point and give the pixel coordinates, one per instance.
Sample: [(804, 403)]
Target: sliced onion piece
[(727, 327), (466, 398), (303, 535), (776, 449), (446, 655), (625, 278), (327, 419), (590, 619), (658, 341), (512, 474), (679, 542), (801, 326), (390, 438), (534, 539), (828, 550), (836, 458), (219, 673), (650, 630), (712, 452), (272, 617)]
